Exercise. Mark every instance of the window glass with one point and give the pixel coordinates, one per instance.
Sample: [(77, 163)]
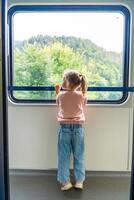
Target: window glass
[(47, 43)]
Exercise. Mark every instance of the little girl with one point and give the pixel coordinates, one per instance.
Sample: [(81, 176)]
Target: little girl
[(71, 133)]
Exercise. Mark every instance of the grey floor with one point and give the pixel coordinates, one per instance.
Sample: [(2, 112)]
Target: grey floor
[(47, 188)]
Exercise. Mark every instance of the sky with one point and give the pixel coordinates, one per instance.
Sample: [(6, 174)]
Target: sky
[(104, 29)]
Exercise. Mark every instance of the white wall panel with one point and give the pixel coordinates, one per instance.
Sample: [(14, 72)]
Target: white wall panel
[(33, 138), (108, 130)]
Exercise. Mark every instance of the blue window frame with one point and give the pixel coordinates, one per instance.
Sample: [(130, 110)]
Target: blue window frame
[(68, 8)]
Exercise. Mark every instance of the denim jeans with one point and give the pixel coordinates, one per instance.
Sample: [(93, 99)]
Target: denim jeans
[(71, 139)]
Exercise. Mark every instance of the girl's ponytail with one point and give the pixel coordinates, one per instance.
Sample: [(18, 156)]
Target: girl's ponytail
[(83, 84)]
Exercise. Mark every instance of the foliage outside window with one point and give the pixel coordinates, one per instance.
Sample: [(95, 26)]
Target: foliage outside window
[(40, 57)]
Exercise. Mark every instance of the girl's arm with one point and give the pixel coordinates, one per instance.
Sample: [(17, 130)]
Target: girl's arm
[(57, 89), (84, 99)]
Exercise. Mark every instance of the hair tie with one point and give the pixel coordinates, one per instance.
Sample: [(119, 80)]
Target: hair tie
[(81, 77)]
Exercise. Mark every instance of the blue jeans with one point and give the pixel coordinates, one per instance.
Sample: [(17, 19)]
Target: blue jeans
[(71, 139)]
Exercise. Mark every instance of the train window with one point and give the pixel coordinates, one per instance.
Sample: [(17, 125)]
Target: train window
[(45, 40)]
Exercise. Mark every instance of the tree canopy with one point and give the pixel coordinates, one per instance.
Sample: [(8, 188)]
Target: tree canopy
[(41, 61)]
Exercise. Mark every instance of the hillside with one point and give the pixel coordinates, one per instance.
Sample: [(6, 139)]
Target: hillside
[(41, 60), (84, 46)]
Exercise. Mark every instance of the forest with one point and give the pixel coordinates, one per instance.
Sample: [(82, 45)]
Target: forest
[(41, 61)]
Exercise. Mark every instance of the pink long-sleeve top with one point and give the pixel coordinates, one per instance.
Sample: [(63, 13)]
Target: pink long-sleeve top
[(71, 107)]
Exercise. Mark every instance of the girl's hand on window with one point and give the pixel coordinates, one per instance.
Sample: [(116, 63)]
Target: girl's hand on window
[(57, 89)]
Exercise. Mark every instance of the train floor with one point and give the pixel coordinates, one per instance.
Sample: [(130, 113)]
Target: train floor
[(47, 188)]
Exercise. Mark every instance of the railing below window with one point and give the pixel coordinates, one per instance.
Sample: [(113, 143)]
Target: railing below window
[(51, 88)]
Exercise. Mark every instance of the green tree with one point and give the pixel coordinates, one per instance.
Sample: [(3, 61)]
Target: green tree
[(41, 61), (38, 65)]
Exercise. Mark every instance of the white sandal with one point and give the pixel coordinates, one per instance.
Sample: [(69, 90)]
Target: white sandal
[(66, 186), (79, 185)]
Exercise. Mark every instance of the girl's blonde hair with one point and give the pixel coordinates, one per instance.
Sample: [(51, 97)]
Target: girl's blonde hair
[(75, 79)]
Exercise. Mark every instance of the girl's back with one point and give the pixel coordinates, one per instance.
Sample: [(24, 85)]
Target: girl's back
[(71, 105)]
